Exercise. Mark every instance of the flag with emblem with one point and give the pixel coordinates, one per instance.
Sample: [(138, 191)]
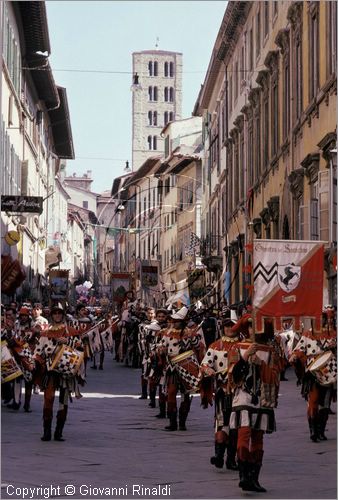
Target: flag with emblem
[(288, 281)]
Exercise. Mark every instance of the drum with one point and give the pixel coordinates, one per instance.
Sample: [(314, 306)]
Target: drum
[(187, 367), (9, 367), (263, 353), (66, 360), (324, 368), (94, 338)]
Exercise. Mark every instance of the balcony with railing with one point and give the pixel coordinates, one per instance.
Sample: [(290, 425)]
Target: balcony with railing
[(211, 252)]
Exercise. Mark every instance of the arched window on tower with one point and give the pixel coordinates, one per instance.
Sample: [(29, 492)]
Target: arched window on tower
[(150, 93), (171, 94), (171, 69), (165, 117), (166, 94), (154, 142), (149, 142), (150, 68), (171, 116), (155, 68), (155, 96), (150, 118), (166, 69), (155, 119)]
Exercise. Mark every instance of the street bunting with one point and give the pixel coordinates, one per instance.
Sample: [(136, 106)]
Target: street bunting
[(288, 281)]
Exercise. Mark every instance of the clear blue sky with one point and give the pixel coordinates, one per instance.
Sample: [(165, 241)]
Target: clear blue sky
[(101, 36)]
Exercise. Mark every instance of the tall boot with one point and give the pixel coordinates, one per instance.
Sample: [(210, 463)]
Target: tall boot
[(28, 396), (255, 470), (313, 426), (173, 421), (183, 413), (218, 459), (245, 481), (47, 430), (60, 422), (232, 450), (152, 396), (144, 386), (161, 405), (322, 420)]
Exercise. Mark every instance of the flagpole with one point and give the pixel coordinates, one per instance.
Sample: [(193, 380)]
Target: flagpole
[(252, 286)]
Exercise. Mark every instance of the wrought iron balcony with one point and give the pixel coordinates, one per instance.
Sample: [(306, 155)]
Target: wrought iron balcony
[(211, 252)]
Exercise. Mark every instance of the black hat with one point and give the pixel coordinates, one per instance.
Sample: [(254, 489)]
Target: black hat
[(57, 307), (228, 322)]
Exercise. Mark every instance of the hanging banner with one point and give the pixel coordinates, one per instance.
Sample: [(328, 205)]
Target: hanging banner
[(58, 283), (149, 274), (288, 281), (121, 283), (196, 284)]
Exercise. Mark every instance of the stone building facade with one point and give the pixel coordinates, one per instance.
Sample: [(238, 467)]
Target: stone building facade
[(157, 100)]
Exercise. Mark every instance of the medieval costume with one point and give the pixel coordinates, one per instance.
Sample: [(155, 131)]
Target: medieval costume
[(23, 344), (254, 373), (176, 340), (214, 371), (319, 386), (143, 343), (156, 374), (52, 377)]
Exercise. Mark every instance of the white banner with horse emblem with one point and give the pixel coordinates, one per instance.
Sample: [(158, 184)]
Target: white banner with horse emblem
[(288, 281)]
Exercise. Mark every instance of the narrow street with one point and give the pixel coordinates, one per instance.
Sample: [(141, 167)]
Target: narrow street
[(113, 440)]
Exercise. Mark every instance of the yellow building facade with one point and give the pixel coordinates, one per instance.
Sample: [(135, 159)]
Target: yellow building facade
[(269, 103)]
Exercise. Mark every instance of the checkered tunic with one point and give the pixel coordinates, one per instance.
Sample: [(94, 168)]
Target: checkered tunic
[(215, 364)]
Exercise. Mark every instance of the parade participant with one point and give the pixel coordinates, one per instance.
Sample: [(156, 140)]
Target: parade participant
[(177, 340), (210, 327), (143, 346), (24, 342), (24, 322), (51, 339), (318, 385), (82, 319), (214, 367), (38, 319), (99, 319), (254, 371), (157, 363), (7, 334)]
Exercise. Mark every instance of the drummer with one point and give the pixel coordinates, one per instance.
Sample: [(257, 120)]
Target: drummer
[(7, 333), (318, 396), (23, 338), (177, 339), (214, 370), (56, 335), (254, 366)]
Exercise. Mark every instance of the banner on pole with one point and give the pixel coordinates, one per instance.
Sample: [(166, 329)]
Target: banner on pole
[(288, 281), (121, 283)]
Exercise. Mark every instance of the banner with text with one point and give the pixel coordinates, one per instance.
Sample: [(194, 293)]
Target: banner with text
[(288, 281)]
